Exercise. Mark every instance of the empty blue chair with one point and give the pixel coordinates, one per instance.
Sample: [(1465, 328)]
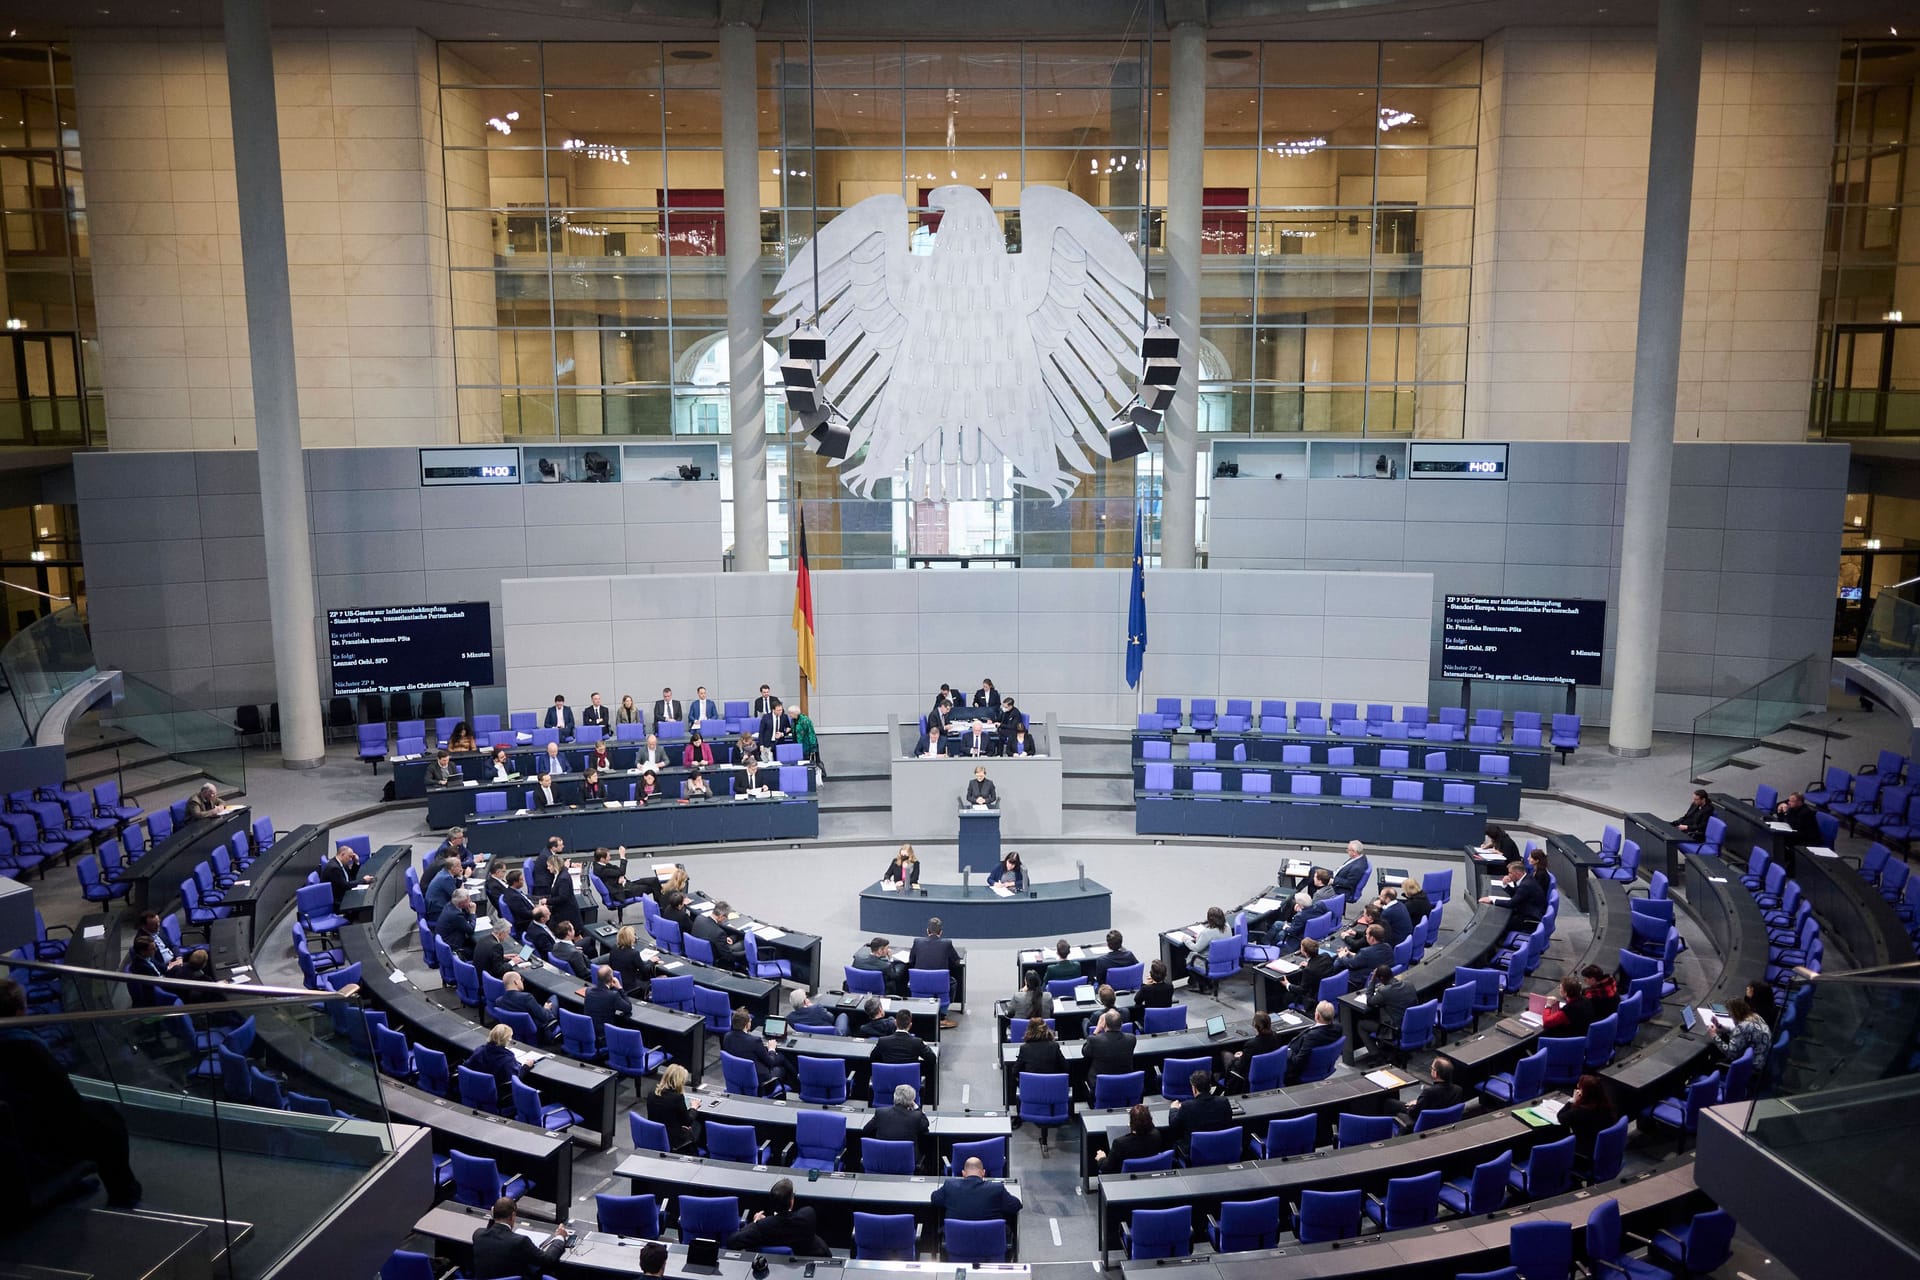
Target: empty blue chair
[(1682, 1114), (734, 1142), (1149, 1164), (434, 1076), (648, 1135), (1303, 784), (1565, 1056), (1566, 735), (1293, 1136), (1456, 793), (742, 1075), (1358, 1130), (822, 1080), (1698, 1247), (1245, 1225), (1256, 782), (1526, 1082), (1156, 749), (708, 1217), (1409, 1202), (882, 1156), (885, 1237), (1176, 1076), (1171, 1018), (1542, 1250), (1609, 1154), (627, 1052), (1158, 776), (637, 1216), (1218, 1146), (1112, 1090), (1484, 1191), (1547, 1172), (884, 1077), (1202, 751), (1044, 1101), (976, 1243), (1328, 1215), (1158, 1233), (477, 1180), (1605, 1246), (529, 1109)]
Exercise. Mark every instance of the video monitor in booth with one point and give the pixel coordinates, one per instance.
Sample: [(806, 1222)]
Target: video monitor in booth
[(1536, 639), (405, 648)]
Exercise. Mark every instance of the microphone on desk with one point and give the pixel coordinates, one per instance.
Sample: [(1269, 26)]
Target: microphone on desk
[(1081, 868), (966, 881)]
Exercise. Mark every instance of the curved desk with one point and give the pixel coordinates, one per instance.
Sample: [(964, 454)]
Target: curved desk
[(702, 822), (1374, 819), (1532, 765), (975, 911), (157, 874), (1499, 794)]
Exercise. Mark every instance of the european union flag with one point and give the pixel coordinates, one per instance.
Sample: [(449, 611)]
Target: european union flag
[(1137, 610)]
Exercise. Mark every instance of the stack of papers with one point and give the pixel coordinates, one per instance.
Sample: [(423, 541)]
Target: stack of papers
[(1001, 890), (94, 931), (1551, 1110), (1532, 1019), (1261, 906), (767, 933), (1819, 851), (1283, 965), (1388, 1079), (1778, 826), (1298, 867)]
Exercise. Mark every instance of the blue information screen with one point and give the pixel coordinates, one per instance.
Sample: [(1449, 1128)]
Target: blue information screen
[(405, 648)]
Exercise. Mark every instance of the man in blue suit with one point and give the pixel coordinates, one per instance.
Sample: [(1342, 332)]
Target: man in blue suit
[(972, 1198), (560, 716), (1353, 873), (702, 707)]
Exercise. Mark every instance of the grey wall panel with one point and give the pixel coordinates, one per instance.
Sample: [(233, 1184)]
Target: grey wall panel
[(1445, 502), (1356, 499), (1709, 464), (472, 507), (161, 517), (1559, 503), (162, 648), (1687, 631), (236, 515), (1379, 542), (1775, 507), (100, 477), (500, 549), (1587, 583), (1253, 636), (574, 508), (342, 553), (241, 643), (366, 590), (1806, 554), (635, 599), (229, 558), (1427, 540), (1559, 544), (1379, 595), (1460, 579), (1695, 549), (1374, 638), (373, 510), (237, 600), (133, 564), (226, 471), (1799, 467), (116, 608), (368, 469), (247, 682)]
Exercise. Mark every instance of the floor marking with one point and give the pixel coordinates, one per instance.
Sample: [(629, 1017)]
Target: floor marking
[(1053, 1224)]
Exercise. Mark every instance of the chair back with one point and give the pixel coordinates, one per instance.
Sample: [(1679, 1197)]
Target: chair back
[(1328, 1215), (1439, 1117), (884, 1237), (476, 1179), (1247, 1224), (734, 1142), (1267, 1070), (1171, 1018), (976, 1243), (1219, 1146), (648, 1135), (739, 1075), (1411, 1202), (880, 1156), (885, 1077), (1043, 1098), (1549, 1168), (1321, 1061), (1112, 1090), (1176, 1076), (477, 1090), (1541, 1249), (822, 1080), (1609, 1151), (1358, 1130), (627, 1215), (1148, 1164), (708, 1217), (991, 1152), (1293, 1136), (1160, 1233)]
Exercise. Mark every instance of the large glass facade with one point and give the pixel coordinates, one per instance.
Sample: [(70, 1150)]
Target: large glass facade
[(584, 199), (1867, 373), (49, 365)]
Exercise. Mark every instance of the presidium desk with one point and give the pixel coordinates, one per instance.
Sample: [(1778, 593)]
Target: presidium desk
[(926, 790), (589, 826), (975, 911)]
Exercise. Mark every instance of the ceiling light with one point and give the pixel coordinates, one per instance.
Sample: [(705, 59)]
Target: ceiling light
[(1393, 119), (41, 555)]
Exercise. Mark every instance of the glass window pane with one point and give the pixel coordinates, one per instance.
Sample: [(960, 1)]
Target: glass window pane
[(865, 117), (490, 63), (980, 65), (963, 117), (1083, 65), (1430, 62), (1290, 119), (693, 66), (628, 118), (1231, 64), (1320, 63), (693, 117), (602, 65), (876, 63)]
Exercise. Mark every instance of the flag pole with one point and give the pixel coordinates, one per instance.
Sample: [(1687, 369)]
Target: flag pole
[(803, 572)]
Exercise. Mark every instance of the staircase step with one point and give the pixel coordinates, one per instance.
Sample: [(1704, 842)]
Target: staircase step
[(1819, 730), (1775, 744), (1740, 763)]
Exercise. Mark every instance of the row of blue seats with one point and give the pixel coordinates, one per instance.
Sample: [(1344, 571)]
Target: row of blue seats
[(39, 826), (1159, 777), (1202, 715), (525, 726)]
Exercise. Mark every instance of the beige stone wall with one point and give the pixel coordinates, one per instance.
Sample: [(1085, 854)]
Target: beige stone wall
[(1565, 115), (366, 230)]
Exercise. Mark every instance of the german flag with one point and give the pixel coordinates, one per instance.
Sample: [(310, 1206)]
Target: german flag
[(803, 606)]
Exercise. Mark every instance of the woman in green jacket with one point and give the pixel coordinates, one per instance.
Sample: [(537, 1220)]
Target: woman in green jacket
[(809, 741)]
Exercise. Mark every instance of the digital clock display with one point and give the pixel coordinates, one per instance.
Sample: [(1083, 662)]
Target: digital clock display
[(1436, 461), (469, 466)]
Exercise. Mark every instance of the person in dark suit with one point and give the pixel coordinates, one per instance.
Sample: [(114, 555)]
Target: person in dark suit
[(781, 1225), (440, 770), (1353, 872), (668, 709), (986, 695), (1116, 956), (591, 788), (1009, 720), (1303, 984), (1016, 742), (972, 1198), (1388, 1000), (1694, 820), (729, 946), (1040, 1054), (495, 1058), (605, 1000), (636, 972), (776, 726), (765, 702), (904, 871), (494, 952), (1233, 1066), (1524, 899), (1204, 1112), (566, 954), (440, 888), (878, 956), (803, 1012), (560, 716), (1394, 915), (560, 896), (673, 907), (670, 1106), (901, 1046), (981, 793), (597, 712), (500, 1250), (978, 741), (1355, 935), (342, 873), (1108, 1050), (542, 795), (144, 962), (935, 952), (454, 846), (1010, 871), (1437, 1095), (517, 999), (495, 885), (1497, 840), (1586, 1114), (1155, 993), (904, 1121), (455, 925), (1413, 896), (878, 1021), (50, 1116), (1374, 955), (1141, 1141), (539, 932), (499, 767), (741, 1042), (513, 902), (1325, 899), (1324, 1031)]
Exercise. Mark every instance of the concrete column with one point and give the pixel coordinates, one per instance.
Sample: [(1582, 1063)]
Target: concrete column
[(747, 398), (1186, 136), (1656, 375), (276, 399)]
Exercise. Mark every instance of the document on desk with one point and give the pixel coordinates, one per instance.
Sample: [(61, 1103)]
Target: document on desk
[(1283, 966), (398, 975), (1001, 891), (1551, 1110), (701, 906), (1388, 1079), (469, 782), (1297, 867), (767, 933), (1262, 906), (1818, 851), (1180, 936), (1778, 826), (94, 931)]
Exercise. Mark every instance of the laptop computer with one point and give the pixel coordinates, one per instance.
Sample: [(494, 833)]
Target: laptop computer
[(775, 1028), (703, 1254), (1216, 1026)]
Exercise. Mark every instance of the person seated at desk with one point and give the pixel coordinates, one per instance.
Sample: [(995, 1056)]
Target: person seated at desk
[(972, 1198), (776, 726), (900, 1045), (878, 956), (1323, 897), (500, 767), (462, 739), (455, 846), (1395, 916), (1324, 1031), (673, 906), (517, 999), (1353, 872), (1063, 967), (592, 790), (538, 932), (1355, 934), (144, 962), (904, 1121), (1498, 841), (627, 712), (1437, 1095), (596, 712), (560, 716), (149, 927), (1154, 993), (751, 782), (904, 871), (542, 795), (674, 881), (612, 874), (1760, 999), (648, 790), (878, 1022), (977, 741), (742, 1042), (698, 788), (1601, 991), (986, 695), (1749, 1031), (566, 953), (1694, 821), (1571, 1014), (668, 709), (1373, 954), (1040, 1054), (932, 952), (1303, 984), (670, 1106), (702, 707), (1032, 1000), (728, 943), (455, 924), (1413, 896), (1108, 1049), (198, 968), (932, 742), (499, 1250), (1141, 1141), (1798, 815), (494, 952), (1538, 868), (803, 1012), (1016, 743), (652, 756), (495, 1058), (1205, 1112), (1116, 956), (781, 1225), (636, 968), (514, 903), (981, 793), (1233, 1064), (605, 1000), (747, 747), (696, 752), (1589, 1111), (1388, 999), (1204, 937), (1524, 899), (206, 803), (1009, 871), (495, 884), (601, 760), (550, 761), (440, 770), (342, 873), (50, 1116)]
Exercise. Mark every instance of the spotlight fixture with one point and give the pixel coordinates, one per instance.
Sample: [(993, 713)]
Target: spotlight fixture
[(1141, 416), (825, 425), (1125, 442)]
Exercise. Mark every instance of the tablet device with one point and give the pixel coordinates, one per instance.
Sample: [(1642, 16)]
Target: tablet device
[(1216, 1026), (703, 1254), (1083, 993), (775, 1028), (527, 952), (1686, 1017)]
